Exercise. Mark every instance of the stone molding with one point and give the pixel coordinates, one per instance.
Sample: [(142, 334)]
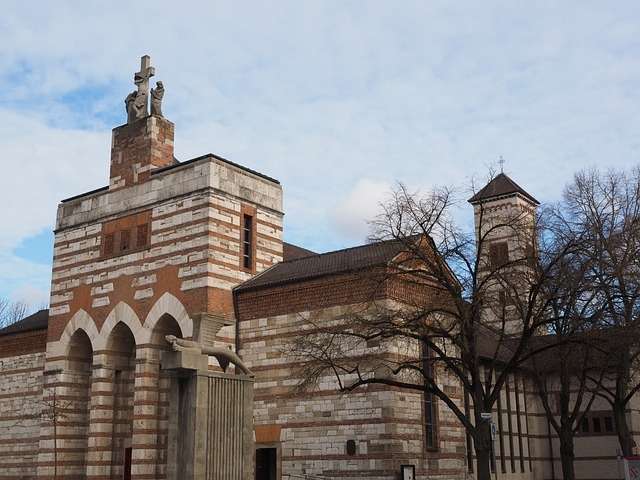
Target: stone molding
[(167, 304)]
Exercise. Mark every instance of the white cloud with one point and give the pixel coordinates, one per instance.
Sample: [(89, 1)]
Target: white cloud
[(360, 206), (319, 95), (41, 165)]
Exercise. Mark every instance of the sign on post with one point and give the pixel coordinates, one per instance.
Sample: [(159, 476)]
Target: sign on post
[(632, 468)]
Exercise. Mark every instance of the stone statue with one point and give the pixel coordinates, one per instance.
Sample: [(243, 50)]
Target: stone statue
[(136, 102), (156, 99), (223, 355), (128, 102)]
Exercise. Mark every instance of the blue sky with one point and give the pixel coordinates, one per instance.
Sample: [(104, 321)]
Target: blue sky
[(337, 99)]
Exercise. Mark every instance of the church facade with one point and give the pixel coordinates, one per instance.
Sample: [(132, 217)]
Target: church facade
[(195, 250)]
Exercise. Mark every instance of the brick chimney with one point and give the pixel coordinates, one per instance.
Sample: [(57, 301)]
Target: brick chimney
[(138, 148)]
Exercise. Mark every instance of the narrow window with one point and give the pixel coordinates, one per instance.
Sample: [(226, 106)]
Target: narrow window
[(142, 234), (608, 424), (108, 244), (430, 428), (519, 422), (503, 463), (597, 428), (124, 240), (584, 425), (499, 254), (247, 242)]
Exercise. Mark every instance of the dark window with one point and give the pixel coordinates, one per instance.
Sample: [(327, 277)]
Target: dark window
[(608, 424), (430, 414), (126, 475), (266, 463), (247, 242), (351, 447), (503, 298), (142, 235), (108, 244), (597, 428), (125, 241), (499, 254), (584, 425)]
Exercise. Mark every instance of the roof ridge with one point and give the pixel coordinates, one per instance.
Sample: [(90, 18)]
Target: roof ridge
[(340, 250)]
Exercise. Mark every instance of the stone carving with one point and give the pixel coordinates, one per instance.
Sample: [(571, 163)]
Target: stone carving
[(223, 355), (136, 102), (156, 99)]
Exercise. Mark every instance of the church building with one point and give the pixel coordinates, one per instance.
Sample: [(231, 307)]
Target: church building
[(94, 387)]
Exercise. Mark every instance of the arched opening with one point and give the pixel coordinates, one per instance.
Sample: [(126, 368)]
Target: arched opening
[(166, 325), (121, 358), (169, 394), (72, 408)]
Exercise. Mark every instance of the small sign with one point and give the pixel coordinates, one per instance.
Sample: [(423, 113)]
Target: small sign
[(632, 468), (485, 415), (408, 472)]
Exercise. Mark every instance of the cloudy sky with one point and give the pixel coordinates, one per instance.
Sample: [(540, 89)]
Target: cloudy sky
[(338, 100)]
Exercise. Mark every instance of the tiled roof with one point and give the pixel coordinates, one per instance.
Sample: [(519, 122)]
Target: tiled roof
[(318, 265), (501, 185), (36, 321), (293, 252)]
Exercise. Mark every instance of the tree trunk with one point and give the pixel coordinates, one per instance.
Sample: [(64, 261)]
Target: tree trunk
[(567, 454), (624, 434), (483, 464), (482, 443)]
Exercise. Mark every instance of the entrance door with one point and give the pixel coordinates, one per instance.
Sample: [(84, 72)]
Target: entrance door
[(266, 463), (126, 475)]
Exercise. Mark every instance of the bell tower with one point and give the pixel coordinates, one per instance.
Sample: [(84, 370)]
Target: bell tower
[(504, 218)]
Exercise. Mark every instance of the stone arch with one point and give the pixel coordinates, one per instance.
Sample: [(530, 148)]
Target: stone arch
[(81, 320), (78, 375), (120, 359), (166, 325), (167, 304), (121, 313)]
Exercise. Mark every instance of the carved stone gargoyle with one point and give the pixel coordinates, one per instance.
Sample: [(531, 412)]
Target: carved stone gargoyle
[(223, 355)]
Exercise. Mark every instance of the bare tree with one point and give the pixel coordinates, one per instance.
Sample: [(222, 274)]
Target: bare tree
[(11, 312), (605, 208), (569, 374), (467, 313)]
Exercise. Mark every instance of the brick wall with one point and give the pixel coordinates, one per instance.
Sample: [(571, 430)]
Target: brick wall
[(311, 428), (194, 245), (23, 343), (20, 404)]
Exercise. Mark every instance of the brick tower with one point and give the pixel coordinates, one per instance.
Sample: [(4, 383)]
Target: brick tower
[(156, 252)]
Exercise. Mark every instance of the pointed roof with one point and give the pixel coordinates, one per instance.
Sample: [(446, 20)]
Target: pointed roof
[(501, 186)]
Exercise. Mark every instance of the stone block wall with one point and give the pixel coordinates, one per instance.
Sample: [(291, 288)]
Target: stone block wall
[(20, 409), (194, 249), (311, 429)]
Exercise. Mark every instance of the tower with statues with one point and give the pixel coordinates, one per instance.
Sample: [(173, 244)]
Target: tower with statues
[(154, 255)]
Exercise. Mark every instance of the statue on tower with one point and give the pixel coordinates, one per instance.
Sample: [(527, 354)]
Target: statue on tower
[(156, 99), (137, 101)]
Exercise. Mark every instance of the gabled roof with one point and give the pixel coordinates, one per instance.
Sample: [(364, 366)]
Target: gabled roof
[(330, 263), (36, 321), (293, 252), (500, 186)]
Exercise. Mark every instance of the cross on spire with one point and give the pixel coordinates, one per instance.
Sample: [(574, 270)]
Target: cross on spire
[(141, 78), (501, 162)]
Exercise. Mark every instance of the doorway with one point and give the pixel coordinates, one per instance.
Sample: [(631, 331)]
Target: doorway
[(266, 463), (127, 464)]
